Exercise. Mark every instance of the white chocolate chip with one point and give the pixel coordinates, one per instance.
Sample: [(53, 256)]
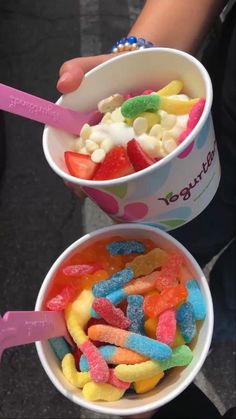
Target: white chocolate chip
[(98, 155), (182, 120), (167, 135), (91, 146), (150, 145), (107, 118), (116, 115), (156, 131), (107, 145), (97, 136), (168, 121), (84, 150), (110, 103), (140, 125), (85, 131), (169, 145)]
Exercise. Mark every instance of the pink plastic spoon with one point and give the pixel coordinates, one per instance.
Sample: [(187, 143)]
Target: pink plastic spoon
[(38, 109), (21, 327)]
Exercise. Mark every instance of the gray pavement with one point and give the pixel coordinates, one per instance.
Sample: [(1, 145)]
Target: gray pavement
[(39, 217)]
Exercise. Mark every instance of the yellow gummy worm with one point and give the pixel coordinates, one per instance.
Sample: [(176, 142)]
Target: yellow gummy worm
[(172, 88), (137, 372), (93, 391), (142, 386), (78, 379), (176, 106), (77, 314), (73, 326), (145, 264), (82, 306)]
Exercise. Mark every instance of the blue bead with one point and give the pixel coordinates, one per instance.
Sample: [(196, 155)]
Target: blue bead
[(132, 39), (122, 40), (148, 44), (141, 42)]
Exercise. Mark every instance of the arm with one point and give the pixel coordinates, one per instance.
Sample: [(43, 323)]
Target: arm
[(180, 24)]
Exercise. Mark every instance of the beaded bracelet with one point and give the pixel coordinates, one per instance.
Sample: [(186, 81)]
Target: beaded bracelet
[(131, 43)]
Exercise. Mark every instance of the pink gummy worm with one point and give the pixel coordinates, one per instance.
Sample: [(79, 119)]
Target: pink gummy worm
[(141, 285), (194, 116), (97, 365), (116, 382), (113, 316), (166, 327)]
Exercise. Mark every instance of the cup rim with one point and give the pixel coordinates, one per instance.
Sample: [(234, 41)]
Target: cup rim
[(164, 160), (157, 403)]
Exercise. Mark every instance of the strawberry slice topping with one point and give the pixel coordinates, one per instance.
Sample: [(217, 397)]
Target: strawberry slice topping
[(116, 164), (139, 159), (80, 165)]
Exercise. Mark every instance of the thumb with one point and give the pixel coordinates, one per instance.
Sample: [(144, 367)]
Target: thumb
[(72, 71)]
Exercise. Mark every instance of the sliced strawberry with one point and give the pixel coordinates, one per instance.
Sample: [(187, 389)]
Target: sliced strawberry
[(116, 164), (139, 159), (80, 165)]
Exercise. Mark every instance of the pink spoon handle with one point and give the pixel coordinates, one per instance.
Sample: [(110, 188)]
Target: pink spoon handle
[(38, 109), (21, 327)]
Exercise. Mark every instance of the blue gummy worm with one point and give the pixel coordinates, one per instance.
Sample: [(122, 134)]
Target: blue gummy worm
[(107, 352), (135, 313), (125, 247), (116, 281), (195, 297), (186, 321), (148, 347), (60, 347)]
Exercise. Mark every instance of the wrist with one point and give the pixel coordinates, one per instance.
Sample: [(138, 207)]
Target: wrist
[(131, 43)]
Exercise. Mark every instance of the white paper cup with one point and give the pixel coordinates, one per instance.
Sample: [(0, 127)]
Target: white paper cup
[(177, 379), (173, 191)]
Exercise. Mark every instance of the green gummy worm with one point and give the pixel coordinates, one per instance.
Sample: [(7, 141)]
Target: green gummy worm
[(133, 107)]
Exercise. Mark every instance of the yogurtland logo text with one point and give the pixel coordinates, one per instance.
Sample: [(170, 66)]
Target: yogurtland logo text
[(186, 192)]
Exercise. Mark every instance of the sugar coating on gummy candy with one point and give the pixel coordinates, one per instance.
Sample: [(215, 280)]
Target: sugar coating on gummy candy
[(195, 297), (168, 298), (135, 313), (107, 392), (114, 355), (116, 281), (182, 355), (114, 316), (97, 365), (166, 327), (146, 264), (77, 379), (138, 104), (143, 386), (169, 271), (60, 347), (139, 343), (116, 382), (186, 321), (125, 247)]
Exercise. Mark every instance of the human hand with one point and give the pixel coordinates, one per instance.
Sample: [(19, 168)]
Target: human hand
[(72, 72)]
